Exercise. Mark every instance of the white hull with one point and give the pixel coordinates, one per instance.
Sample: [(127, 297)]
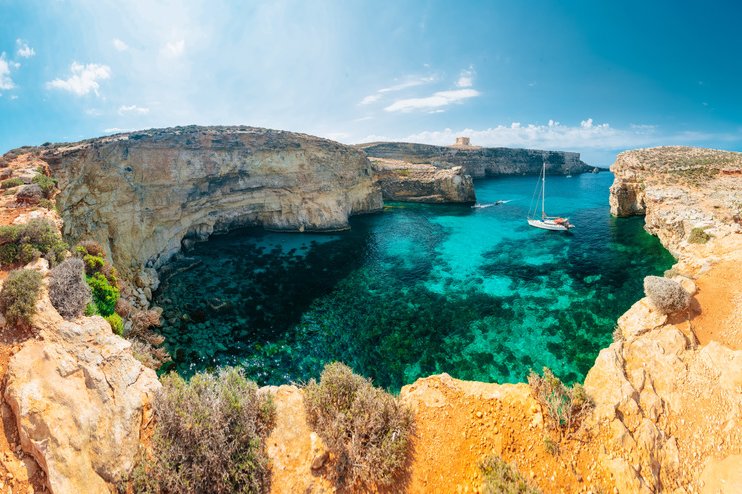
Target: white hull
[(549, 225)]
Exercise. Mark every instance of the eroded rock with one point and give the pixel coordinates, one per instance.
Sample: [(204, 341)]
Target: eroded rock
[(80, 399)]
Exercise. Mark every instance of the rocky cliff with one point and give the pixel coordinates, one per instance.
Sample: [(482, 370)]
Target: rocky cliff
[(142, 194), (422, 182), (480, 162)]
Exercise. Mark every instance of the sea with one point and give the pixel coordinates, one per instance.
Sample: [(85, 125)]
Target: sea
[(416, 290)]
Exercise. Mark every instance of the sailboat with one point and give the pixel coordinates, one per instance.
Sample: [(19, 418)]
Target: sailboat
[(546, 222)]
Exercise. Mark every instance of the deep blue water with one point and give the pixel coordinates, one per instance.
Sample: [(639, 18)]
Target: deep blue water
[(416, 290)]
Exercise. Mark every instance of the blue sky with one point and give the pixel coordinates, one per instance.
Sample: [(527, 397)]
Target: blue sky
[(589, 76)]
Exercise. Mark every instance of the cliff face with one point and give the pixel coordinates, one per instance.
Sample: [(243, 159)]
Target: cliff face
[(480, 162), (667, 392), (409, 182), (142, 194)]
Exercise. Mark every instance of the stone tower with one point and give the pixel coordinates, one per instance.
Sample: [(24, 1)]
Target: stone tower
[(463, 141)]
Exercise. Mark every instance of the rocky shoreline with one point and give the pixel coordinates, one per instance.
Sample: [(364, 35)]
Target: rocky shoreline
[(667, 391)]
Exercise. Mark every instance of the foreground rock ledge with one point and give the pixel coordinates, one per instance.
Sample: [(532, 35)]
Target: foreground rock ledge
[(80, 399)]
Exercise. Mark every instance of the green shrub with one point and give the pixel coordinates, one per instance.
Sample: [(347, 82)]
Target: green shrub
[(93, 264), (104, 294), (11, 182), (500, 478), (564, 407), (18, 296), (46, 203), (117, 324), (47, 184), (24, 243), (698, 236), (91, 247), (366, 429), (68, 291), (209, 437)]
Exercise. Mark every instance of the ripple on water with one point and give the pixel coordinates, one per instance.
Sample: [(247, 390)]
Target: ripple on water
[(415, 290)]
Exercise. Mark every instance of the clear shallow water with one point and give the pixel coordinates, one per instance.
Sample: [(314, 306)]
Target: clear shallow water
[(416, 290)]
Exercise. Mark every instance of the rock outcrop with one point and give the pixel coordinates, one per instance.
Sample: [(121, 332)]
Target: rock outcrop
[(80, 400), (141, 194), (422, 182), (669, 410), (481, 162)]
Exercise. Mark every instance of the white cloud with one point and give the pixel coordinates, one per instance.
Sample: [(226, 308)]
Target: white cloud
[(133, 110), (466, 78), (119, 45), (410, 82), (83, 80), (6, 82), (174, 48), (24, 51), (115, 130), (370, 99), (437, 100), (419, 81), (93, 112)]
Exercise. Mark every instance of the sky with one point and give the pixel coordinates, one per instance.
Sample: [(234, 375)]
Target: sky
[(596, 77)]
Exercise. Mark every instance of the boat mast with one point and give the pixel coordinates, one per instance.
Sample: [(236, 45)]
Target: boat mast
[(543, 192)]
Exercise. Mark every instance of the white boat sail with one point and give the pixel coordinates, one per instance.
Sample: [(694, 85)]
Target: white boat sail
[(546, 222)]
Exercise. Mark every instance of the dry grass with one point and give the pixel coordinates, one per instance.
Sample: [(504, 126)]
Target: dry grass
[(667, 295), (210, 436), (366, 429), (68, 290), (501, 478), (565, 407)]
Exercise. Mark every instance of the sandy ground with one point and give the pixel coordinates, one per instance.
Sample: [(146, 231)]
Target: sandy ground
[(720, 303)]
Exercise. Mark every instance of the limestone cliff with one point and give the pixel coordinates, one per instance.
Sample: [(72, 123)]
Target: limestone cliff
[(421, 182), (480, 162), (141, 194)]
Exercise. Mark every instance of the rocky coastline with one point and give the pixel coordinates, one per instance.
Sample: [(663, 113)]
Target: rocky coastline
[(666, 392), (480, 161)]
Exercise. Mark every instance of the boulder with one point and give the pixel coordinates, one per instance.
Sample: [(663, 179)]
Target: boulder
[(29, 194), (80, 399)]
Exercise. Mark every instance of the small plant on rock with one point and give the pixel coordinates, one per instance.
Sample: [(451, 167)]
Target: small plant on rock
[(11, 182), (210, 436), (367, 430), (47, 184), (68, 290), (667, 295), (18, 296), (498, 477), (564, 407), (698, 236)]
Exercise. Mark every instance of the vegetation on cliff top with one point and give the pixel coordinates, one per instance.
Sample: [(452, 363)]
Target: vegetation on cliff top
[(498, 477), (21, 244), (564, 407), (18, 296), (209, 437), (367, 430)]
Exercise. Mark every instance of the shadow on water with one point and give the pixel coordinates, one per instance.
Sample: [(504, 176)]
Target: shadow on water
[(415, 290)]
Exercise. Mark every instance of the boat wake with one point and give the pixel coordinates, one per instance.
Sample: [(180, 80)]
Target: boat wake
[(490, 204)]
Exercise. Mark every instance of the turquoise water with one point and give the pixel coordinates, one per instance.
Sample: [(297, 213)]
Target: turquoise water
[(416, 290)]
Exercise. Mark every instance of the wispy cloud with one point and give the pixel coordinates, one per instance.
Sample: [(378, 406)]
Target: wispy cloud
[(23, 50), (466, 78), (6, 82), (119, 45), (83, 80), (552, 135), (133, 110), (174, 48), (409, 82), (436, 100)]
